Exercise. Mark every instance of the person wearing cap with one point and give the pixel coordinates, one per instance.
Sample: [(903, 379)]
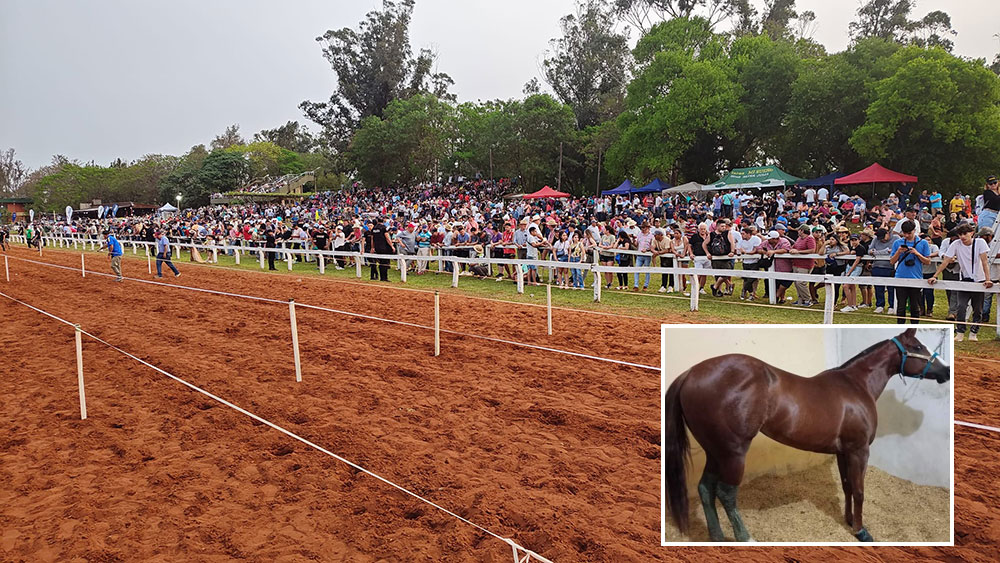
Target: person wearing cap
[(993, 274), (928, 271), (381, 244), (407, 244), (991, 203), (721, 247), (747, 244), (909, 215), (972, 256), (909, 255), (423, 241), (774, 245), (114, 253), (163, 254), (881, 249)]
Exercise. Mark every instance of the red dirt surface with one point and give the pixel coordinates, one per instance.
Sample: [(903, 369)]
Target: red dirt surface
[(559, 453)]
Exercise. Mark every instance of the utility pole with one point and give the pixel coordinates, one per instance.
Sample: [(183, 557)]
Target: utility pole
[(559, 181), (598, 172), (491, 163)]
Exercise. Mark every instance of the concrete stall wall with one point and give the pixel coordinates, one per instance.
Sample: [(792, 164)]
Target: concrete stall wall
[(915, 426), (800, 350)]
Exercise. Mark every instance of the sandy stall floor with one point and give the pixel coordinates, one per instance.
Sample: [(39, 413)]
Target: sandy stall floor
[(559, 453)]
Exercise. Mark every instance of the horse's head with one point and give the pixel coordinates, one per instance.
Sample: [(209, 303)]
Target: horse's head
[(918, 361)]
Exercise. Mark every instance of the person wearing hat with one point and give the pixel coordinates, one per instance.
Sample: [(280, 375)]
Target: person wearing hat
[(859, 247), (804, 244), (643, 243), (114, 253), (163, 254), (993, 274), (520, 239), (971, 253), (909, 215), (269, 242), (909, 255), (991, 204)]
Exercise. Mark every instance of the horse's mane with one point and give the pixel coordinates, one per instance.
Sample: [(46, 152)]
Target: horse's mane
[(862, 354)]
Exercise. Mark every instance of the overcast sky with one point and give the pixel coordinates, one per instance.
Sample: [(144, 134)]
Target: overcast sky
[(104, 79)]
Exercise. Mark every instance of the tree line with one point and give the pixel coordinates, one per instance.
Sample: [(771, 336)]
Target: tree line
[(688, 102)]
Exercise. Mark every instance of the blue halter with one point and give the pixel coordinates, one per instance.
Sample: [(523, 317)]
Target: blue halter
[(906, 355)]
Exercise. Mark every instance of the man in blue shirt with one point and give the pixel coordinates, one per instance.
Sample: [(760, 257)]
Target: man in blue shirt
[(163, 254), (114, 253), (909, 254)]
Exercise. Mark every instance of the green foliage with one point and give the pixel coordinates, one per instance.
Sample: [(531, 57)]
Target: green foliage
[(936, 116), (374, 66), (291, 136), (587, 67)]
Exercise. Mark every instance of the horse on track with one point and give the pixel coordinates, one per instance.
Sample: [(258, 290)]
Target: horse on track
[(727, 400)]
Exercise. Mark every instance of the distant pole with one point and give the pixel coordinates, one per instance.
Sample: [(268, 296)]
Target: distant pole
[(559, 180), (598, 172), (548, 306), (295, 340), (491, 163)]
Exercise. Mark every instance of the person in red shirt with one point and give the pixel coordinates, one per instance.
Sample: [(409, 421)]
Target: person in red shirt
[(805, 244)]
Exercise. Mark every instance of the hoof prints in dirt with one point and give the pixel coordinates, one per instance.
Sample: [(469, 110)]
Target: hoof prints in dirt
[(549, 416), (411, 373), (282, 450)]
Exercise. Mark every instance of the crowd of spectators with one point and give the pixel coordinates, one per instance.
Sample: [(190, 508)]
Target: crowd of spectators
[(794, 230)]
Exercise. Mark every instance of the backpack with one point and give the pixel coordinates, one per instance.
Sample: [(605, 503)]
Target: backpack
[(717, 245)]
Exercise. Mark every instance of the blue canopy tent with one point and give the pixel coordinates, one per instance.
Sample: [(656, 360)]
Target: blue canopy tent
[(822, 180), (656, 185), (625, 188)]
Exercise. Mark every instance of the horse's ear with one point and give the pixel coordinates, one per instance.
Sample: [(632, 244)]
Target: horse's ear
[(912, 332)]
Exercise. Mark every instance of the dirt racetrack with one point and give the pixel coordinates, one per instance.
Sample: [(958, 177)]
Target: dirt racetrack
[(559, 453)]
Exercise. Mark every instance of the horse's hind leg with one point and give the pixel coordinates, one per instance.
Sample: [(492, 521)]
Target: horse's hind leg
[(706, 490), (730, 476), (845, 483), (857, 464)]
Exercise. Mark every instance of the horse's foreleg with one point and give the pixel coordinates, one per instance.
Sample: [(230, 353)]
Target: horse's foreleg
[(706, 490), (857, 463), (845, 483), (732, 472)]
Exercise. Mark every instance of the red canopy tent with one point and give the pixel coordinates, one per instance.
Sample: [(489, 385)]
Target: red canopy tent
[(873, 174), (545, 192)]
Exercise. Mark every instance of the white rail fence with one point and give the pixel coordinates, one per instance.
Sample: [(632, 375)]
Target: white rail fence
[(829, 282)]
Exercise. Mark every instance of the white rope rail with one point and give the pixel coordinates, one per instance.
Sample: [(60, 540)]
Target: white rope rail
[(517, 549), (359, 315), (979, 426)]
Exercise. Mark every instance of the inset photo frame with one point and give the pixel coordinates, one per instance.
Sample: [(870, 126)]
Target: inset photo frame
[(807, 434)]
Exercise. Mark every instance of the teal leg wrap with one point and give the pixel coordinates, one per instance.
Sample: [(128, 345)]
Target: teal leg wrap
[(727, 494), (706, 490), (863, 535)]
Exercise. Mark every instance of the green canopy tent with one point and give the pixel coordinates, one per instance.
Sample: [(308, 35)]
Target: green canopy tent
[(756, 177)]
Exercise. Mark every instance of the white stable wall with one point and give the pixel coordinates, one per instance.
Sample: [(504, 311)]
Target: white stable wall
[(915, 425)]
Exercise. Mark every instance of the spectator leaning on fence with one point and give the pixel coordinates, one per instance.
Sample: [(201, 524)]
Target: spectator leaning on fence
[(971, 254), (748, 243), (805, 244), (991, 203), (881, 248), (909, 255)]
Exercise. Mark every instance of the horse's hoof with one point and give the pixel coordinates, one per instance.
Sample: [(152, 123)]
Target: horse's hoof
[(863, 535)]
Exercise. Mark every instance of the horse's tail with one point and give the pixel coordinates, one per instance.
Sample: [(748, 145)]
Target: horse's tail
[(677, 453)]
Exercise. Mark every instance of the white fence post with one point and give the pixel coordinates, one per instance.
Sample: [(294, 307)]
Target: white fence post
[(289, 254), (520, 278), (695, 288), (454, 273), (322, 264), (261, 259), (79, 374), (83, 267), (6, 270), (828, 305), (295, 340), (236, 254), (402, 270), (437, 323), (357, 266), (772, 285), (548, 307)]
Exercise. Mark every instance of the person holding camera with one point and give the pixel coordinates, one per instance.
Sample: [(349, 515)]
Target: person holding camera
[(909, 254)]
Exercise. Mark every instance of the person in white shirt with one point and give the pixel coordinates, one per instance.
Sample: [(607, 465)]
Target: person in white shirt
[(972, 256), (810, 196), (823, 194), (911, 215), (747, 243)]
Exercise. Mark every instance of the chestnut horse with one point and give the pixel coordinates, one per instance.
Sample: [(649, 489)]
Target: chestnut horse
[(727, 400)]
